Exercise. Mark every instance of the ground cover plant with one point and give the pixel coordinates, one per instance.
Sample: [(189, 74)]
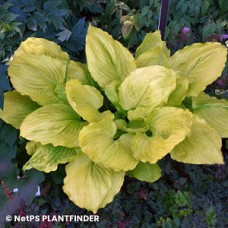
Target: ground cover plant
[(185, 196), (117, 117)]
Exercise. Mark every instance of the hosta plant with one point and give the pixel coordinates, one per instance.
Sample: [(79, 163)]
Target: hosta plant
[(116, 115)]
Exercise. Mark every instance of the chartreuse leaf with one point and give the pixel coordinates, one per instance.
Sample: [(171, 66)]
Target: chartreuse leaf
[(168, 126), (38, 77), (112, 92), (203, 99), (152, 40), (131, 127), (90, 185), (97, 141), (145, 89), (85, 100), (145, 172), (56, 124), (31, 147), (115, 62), (153, 57), (47, 157), (178, 95), (16, 108), (40, 47), (214, 111), (200, 63), (76, 70), (152, 51), (216, 117), (202, 146), (38, 70)]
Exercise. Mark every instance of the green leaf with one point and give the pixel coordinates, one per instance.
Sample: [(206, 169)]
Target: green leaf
[(168, 126), (146, 172), (56, 124), (200, 63), (85, 100), (182, 198), (202, 146), (90, 185), (27, 188), (145, 89), (16, 108), (214, 111), (204, 7), (8, 136), (223, 5), (115, 62), (4, 79), (151, 42), (47, 157), (28, 185), (64, 35), (97, 141), (211, 217)]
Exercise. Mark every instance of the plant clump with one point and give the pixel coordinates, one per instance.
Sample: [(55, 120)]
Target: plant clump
[(117, 114)]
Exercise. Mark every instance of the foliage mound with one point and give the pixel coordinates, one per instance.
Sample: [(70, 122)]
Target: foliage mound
[(116, 115)]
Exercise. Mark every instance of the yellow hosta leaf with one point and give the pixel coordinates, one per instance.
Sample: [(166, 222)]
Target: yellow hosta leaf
[(112, 92), (168, 127), (90, 185), (178, 95), (216, 117), (97, 141), (41, 47), (38, 77), (151, 41), (155, 56), (202, 146), (132, 126), (107, 59), (16, 108), (85, 100), (55, 124), (31, 147), (47, 157), (145, 89), (214, 111), (200, 63), (38, 70), (146, 172), (205, 100), (76, 70)]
